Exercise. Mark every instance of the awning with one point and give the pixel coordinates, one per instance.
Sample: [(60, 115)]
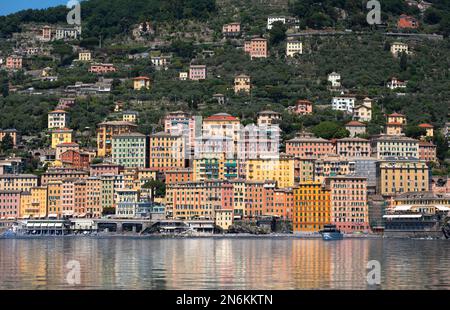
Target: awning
[(403, 208), (44, 225), (442, 208), (397, 216), (58, 225), (50, 225), (30, 225), (37, 225)]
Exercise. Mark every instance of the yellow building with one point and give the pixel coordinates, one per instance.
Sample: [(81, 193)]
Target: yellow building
[(166, 151), (54, 197), (84, 56), (312, 207), (141, 82), (222, 126), (63, 135), (428, 128), (214, 166), (280, 170), (395, 124), (12, 133), (33, 204), (401, 176), (242, 83), (105, 133), (130, 116), (18, 182), (94, 196), (224, 218)]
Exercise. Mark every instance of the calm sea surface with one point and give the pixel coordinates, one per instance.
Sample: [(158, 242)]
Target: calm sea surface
[(217, 263)]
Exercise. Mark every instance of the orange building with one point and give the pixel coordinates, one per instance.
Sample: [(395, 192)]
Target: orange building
[(427, 151), (256, 48), (179, 175), (407, 22), (307, 146)]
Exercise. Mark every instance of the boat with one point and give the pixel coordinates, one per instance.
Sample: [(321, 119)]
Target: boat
[(330, 232), (8, 234)]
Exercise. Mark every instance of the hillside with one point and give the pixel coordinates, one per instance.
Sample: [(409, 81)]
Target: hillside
[(186, 29)]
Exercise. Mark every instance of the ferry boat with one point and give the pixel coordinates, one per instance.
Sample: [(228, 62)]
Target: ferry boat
[(330, 232)]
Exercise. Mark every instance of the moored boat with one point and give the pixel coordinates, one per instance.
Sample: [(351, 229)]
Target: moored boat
[(330, 232)]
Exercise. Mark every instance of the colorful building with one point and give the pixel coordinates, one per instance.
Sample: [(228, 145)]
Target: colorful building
[(293, 47), (33, 204), (63, 135), (395, 124), (429, 129), (280, 170), (130, 150), (353, 147), (427, 151), (102, 68), (107, 130), (75, 159), (308, 146), (407, 22), (197, 72), (349, 204), (312, 207), (267, 118), (166, 151), (302, 107), (14, 62), (141, 82), (242, 83), (13, 133), (130, 116), (9, 204), (18, 182), (231, 29), (396, 176), (58, 119), (256, 48), (394, 146)]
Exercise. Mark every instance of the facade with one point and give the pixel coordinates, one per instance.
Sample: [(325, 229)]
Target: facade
[(429, 129), (101, 68), (130, 150), (75, 159), (398, 48), (302, 107), (356, 128), (63, 135), (395, 124), (349, 203), (223, 129), (199, 199), (84, 56), (9, 204), (256, 48), (67, 33), (330, 166), (363, 112), (183, 76), (63, 147), (106, 131), (14, 62), (58, 119), (396, 176), (287, 20), (231, 29), (294, 47), (280, 170), (394, 146), (141, 82), (335, 79), (18, 182), (180, 123), (197, 72), (242, 84), (166, 151), (33, 204), (395, 83), (262, 141), (267, 118), (343, 103), (224, 218), (309, 147), (427, 151), (312, 207), (130, 116), (179, 175), (47, 33), (353, 147), (105, 168)]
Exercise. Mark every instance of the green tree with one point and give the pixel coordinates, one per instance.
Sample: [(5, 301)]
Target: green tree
[(330, 130), (277, 33), (7, 143), (158, 188), (414, 131)]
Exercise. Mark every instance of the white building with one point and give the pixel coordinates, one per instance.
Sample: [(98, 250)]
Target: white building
[(396, 83), (335, 79), (398, 48), (183, 76), (343, 103), (293, 47), (58, 119), (67, 33)]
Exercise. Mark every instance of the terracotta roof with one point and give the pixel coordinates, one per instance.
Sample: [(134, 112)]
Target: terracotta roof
[(58, 111), (395, 114), (426, 126), (141, 78), (426, 143), (355, 124)]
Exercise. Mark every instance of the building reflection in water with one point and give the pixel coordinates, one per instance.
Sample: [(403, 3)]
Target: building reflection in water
[(223, 263)]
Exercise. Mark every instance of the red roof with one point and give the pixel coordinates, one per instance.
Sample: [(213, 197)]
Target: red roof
[(141, 78), (221, 117), (304, 102), (426, 126), (355, 124)]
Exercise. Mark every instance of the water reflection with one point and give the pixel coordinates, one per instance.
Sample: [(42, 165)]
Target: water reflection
[(269, 263)]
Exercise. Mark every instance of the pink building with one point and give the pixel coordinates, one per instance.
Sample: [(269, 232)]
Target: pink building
[(307, 146), (9, 204), (231, 29), (349, 206), (256, 48), (427, 151), (46, 33), (180, 123), (105, 168), (102, 68), (302, 107), (197, 72), (14, 62)]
